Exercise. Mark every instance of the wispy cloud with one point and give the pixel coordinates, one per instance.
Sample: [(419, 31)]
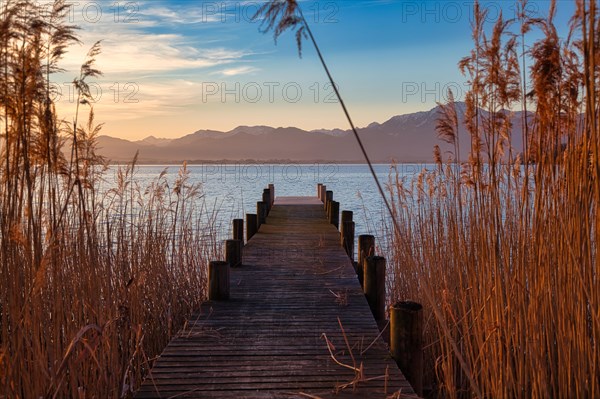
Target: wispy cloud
[(148, 62), (131, 50), (116, 101), (165, 15), (242, 70)]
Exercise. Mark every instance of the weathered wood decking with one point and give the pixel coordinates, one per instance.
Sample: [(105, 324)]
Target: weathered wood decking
[(268, 340)]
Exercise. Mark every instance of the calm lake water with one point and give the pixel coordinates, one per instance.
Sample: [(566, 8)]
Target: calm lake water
[(232, 190)]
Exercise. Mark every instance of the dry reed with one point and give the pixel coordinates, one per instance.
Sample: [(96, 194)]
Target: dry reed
[(502, 248), (92, 283)]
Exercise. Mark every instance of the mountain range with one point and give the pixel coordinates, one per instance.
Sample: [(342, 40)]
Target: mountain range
[(403, 138)]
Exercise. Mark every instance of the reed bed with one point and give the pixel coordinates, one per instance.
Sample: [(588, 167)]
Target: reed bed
[(501, 246), (93, 280)]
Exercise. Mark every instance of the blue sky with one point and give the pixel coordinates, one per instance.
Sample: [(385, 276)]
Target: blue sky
[(173, 67)]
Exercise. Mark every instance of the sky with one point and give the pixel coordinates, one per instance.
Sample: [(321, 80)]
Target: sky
[(172, 67)]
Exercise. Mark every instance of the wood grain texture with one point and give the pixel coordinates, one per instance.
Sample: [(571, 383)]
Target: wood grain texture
[(268, 340)]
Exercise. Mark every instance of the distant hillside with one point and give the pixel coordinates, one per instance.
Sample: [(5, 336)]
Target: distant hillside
[(403, 138)]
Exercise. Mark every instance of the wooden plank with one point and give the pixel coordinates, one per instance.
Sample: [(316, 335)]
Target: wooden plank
[(296, 291)]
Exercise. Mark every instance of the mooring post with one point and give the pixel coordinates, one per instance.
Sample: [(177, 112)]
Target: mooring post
[(334, 213), (345, 234), (266, 198), (272, 192), (346, 217), (406, 341), (366, 247), (323, 195), (261, 211), (348, 238), (238, 230), (251, 225), (374, 288), (233, 252), (328, 197), (319, 185), (218, 281)]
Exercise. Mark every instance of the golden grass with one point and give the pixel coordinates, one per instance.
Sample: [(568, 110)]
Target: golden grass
[(92, 284), (502, 248)]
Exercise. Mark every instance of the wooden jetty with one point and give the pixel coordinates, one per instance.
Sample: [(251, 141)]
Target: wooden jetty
[(296, 323)]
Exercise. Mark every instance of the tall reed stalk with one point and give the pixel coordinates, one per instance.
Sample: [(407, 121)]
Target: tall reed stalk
[(93, 281)]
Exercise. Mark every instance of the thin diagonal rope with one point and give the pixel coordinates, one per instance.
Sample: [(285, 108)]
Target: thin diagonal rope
[(356, 136)]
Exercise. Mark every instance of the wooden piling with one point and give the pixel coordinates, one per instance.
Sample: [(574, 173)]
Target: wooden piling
[(238, 230), (334, 214), (272, 192), (374, 285), (366, 247), (251, 225), (266, 198), (233, 252), (346, 217), (348, 238), (328, 197), (319, 185), (323, 195), (261, 212), (406, 341), (218, 281)]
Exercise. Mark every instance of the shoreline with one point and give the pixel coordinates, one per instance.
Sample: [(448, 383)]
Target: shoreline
[(268, 162)]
